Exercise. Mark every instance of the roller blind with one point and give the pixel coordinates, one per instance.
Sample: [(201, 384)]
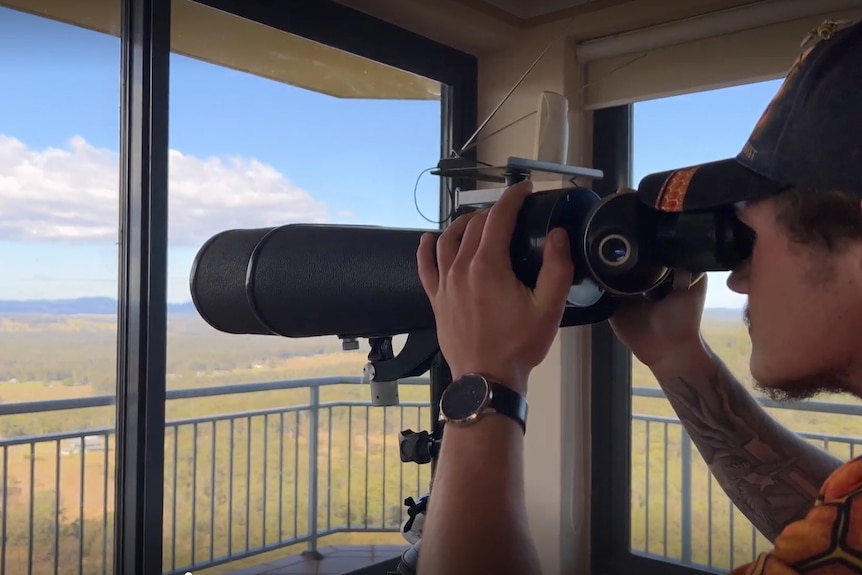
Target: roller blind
[(667, 60)]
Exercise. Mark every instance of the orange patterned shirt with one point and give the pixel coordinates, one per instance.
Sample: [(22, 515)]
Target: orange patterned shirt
[(829, 540)]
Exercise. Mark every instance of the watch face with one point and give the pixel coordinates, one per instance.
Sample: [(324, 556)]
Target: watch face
[(464, 397)]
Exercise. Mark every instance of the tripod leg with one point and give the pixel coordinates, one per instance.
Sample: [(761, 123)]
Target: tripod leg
[(441, 377), (409, 561)]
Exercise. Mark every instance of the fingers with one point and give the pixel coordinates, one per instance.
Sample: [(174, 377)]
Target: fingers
[(458, 242), (471, 239), (449, 242), (428, 274), (556, 275), (502, 218)]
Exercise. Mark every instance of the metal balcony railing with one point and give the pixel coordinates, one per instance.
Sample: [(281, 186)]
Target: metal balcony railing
[(236, 485), (239, 485), (679, 512)]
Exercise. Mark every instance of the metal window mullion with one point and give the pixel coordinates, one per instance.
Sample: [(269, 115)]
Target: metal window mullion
[(459, 118), (142, 322), (611, 377)]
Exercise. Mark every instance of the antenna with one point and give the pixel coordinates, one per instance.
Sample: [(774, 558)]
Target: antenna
[(506, 97), (512, 91), (550, 151)]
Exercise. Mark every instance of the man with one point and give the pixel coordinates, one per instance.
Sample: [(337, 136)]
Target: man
[(798, 186)]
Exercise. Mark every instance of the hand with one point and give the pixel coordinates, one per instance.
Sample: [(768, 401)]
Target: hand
[(657, 332), (488, 321)]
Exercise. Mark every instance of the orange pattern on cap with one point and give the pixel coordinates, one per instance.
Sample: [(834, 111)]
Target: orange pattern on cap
[(828, 541), (671, 197)]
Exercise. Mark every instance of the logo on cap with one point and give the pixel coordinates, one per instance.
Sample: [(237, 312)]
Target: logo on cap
[(824, 31)]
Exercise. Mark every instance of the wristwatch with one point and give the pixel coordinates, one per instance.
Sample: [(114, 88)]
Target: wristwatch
[(473, 396)]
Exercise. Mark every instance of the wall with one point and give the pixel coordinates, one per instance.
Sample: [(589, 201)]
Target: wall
[(557, 465)]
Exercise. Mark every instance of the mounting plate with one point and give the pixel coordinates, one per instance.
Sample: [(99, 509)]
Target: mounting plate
[(515, 170)]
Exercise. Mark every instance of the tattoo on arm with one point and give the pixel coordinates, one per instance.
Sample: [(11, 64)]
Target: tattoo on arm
[(771, 474)]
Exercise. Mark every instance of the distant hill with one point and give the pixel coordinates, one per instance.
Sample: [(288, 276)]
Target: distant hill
[(78, 306), (108, 306), (723, 314)]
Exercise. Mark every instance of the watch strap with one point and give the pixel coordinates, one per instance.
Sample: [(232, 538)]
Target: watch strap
[(497, 399), (506, 401)]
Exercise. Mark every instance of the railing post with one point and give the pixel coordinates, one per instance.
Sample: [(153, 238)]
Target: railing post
[(686, 498), (314, 424)]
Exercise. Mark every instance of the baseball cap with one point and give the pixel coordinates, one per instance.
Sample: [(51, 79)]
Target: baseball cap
[(809, 136)]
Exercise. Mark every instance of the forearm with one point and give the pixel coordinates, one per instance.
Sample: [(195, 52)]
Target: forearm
[(771, 474), (477, 519)]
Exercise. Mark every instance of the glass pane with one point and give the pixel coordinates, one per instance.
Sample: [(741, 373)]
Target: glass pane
[(59, 214), (679, 511), (269, 129)]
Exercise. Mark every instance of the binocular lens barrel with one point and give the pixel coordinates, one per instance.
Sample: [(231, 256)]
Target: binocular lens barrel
[(304, 280)]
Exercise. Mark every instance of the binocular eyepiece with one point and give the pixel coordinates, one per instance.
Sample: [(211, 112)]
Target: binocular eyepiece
[(304, 280), (623, 248)]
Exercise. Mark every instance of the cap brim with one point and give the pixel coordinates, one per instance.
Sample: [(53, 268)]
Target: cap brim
[(705, 186)]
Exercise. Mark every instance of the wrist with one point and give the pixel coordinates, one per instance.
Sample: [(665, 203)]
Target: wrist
[(691, 356), (470, 398), (511, 378)]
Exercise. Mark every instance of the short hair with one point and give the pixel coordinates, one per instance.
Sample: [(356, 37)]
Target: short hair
[(825, 219)]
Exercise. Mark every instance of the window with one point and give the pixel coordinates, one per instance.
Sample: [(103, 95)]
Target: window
[(59, 209), (659, 510), (267, 129), (678, 510), (237, 114)]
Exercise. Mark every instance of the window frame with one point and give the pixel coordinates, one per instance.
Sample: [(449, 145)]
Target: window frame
[(611, 393), (142, 293)]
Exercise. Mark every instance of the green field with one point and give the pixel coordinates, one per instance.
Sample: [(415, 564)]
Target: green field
[(258, 465)]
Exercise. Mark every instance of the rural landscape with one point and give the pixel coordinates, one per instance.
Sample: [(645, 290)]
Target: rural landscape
[(238, 467)]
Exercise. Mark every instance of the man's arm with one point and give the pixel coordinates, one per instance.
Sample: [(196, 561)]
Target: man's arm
[(488, 322), (771, 474), (477, 517)]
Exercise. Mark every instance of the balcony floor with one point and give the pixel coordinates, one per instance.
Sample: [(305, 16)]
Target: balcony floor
[(337, 560)]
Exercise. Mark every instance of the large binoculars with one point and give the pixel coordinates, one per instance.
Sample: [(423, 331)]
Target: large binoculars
[(303, 280)]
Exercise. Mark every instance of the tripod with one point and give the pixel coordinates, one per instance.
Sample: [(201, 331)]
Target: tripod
[(420, 354), (422, 448)]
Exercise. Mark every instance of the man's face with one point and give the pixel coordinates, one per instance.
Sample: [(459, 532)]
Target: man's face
[(804, 311)]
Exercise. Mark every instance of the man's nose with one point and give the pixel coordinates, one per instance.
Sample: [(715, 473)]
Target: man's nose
[(737, 281)]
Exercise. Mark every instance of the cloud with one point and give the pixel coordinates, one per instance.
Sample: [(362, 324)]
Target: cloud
[(71, 194)]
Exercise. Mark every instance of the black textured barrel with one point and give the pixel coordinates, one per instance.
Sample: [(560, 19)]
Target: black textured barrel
[(218, 281), (304, 280)]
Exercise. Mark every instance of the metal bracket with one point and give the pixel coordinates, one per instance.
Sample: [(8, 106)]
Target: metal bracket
[(419, 352)]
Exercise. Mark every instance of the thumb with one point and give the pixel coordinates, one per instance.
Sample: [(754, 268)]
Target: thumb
[(556, 275)]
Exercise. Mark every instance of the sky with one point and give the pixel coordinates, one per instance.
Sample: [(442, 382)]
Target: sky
[(245, 152)]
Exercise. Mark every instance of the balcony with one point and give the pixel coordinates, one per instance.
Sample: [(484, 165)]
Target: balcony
[(240, 492), (241, 495)]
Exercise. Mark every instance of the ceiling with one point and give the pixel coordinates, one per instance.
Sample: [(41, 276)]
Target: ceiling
[(479, 27), (526, 9), (482, 26)]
